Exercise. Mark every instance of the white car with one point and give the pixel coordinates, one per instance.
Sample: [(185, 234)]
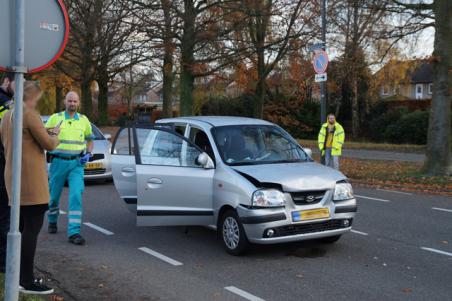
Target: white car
[(99, 167)]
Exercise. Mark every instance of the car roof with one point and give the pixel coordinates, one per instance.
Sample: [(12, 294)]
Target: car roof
[(215, 121)]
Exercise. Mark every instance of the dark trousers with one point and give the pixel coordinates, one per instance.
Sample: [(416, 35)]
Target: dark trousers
[(4, 228), (31, 220)]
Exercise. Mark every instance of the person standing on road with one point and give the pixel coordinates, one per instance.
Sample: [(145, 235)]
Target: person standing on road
[(34, 194), (331, 139), (67, 164), (7, 89)]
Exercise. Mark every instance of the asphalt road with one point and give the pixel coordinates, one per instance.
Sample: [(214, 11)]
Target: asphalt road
[(382, 260)]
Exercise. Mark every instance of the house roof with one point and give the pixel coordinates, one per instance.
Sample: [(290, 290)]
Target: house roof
[(423, 73)]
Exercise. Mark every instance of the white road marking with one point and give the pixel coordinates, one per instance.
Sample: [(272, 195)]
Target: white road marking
[(395, 191), (436, 251), (442, 209), (375, 199), (100, 229), (242, 293), (160, 256), (359, 232), (63, 212)]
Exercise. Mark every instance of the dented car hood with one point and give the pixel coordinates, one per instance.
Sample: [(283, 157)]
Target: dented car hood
[(292, 176)]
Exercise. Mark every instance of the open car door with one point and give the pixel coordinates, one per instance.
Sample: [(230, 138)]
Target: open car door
[(174, 179), (124, 168)]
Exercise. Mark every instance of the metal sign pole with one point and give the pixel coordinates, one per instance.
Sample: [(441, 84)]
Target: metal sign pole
[(14, 236), (323, 84)]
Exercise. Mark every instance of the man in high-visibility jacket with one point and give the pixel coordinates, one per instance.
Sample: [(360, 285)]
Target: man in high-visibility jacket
[(331, 139), (7, 88), (68, 160)]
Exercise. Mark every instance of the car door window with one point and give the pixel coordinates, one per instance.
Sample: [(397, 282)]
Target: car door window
[(123, 144), (164, 148), (201, 140)]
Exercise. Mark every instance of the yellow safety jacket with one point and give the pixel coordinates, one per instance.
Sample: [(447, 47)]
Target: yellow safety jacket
[(338, 139), (5, 103), (74, 133)]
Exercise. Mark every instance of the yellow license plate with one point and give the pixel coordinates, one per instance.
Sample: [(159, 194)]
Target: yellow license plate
[(94, 165), (306, 215)]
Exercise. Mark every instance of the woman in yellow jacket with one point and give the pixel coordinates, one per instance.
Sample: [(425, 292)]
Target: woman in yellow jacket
[(331, 139)]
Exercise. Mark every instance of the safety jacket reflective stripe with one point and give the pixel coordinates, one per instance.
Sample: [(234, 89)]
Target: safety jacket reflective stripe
[(74, 133), (338, 139)]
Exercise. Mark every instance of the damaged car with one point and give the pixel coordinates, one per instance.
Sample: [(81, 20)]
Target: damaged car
[(247, 178)]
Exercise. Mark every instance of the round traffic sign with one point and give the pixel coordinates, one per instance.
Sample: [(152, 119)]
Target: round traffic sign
[(46, 33), (320, 61)]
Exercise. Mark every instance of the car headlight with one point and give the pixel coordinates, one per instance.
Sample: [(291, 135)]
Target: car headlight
[(343, 191), (268, 198)]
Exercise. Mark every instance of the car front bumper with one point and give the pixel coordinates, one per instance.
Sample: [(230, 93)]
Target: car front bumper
[(257, 222)]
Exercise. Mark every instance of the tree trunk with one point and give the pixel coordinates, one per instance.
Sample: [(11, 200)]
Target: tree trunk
[(438, 156), (87, 101), (58, 98), (355, 106), (168, 76), (187, 78), (102, 101)]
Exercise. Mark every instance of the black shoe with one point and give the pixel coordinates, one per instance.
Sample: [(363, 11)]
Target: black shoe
[(35, 289), (77, 239), (53, 228)]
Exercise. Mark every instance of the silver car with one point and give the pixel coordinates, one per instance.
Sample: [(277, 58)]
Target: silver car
[(99, 167), (248, 178)]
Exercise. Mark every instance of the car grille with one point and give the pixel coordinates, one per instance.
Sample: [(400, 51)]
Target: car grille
[(98, 171), (308, 228), (307, 197)]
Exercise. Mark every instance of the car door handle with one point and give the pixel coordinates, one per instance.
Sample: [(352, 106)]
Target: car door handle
[(127, 171), (154, 183)]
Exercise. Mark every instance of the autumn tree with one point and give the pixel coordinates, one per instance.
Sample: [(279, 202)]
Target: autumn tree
[(437, 14), (268, 29)]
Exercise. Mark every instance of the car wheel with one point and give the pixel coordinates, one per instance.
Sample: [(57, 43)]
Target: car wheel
[(232, 233), (330, 239)]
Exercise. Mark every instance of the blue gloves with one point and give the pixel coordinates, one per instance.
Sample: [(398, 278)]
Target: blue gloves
[(85, 158)]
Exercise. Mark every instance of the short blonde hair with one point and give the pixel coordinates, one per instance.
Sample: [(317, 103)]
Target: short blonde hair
[(31, 89)]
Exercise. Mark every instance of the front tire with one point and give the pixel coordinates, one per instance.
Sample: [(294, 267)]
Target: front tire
[(233, 234)]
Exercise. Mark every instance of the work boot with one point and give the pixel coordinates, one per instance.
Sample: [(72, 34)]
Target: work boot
[(53, 228), (77, 239)]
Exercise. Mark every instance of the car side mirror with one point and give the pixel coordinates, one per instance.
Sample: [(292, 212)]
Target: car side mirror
[(204, 161), (308, 151), (107, 136)]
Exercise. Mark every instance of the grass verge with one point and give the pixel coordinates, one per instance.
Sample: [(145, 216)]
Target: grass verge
[(21, 297), (405, 148), (403, 176)]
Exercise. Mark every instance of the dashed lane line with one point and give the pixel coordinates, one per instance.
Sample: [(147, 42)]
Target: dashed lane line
[(371, 198), (442, 209), (100, 229), (160, 256), (359, 232), (395, 191), (243, 293), (436, 251)]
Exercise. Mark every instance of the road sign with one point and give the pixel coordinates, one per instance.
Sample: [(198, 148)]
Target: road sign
[(322, 77), (46, 33), (320, 61)]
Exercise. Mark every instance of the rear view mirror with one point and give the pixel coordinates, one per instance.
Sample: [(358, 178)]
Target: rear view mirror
[(204, 161), (308, 151)]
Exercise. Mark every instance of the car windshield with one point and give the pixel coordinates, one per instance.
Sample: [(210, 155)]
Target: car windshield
[(97, 133), (257, 144)]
